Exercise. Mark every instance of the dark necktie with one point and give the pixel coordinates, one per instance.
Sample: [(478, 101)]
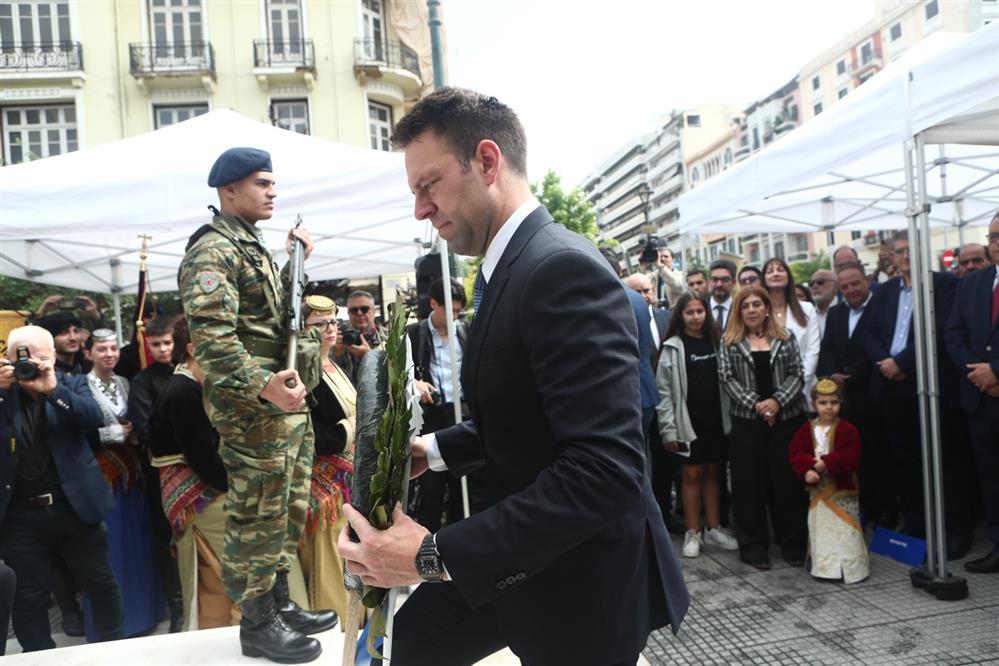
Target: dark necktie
[(478, 290), (995, 304), (721, 317)]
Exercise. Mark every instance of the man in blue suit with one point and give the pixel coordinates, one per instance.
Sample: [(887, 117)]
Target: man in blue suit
[(53, 497), (570, 563), (890, 344), (973, 343)]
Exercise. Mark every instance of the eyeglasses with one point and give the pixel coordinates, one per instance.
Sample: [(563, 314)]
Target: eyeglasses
[(359, 309), (322, 324), (724, 279), (818, 282), (748, 280), (994, 237)]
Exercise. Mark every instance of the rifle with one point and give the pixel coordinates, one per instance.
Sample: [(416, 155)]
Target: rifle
[(296, 275)]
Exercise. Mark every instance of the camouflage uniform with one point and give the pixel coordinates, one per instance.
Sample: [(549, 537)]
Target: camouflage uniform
[(233, 297)]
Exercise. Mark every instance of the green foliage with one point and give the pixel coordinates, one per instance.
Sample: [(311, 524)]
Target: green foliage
[(802, 270), (570, 209), (392, 445)]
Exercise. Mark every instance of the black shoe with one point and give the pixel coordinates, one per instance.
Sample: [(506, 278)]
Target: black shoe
[(987, 564), (958, 546), (674, 526), (176, 620), (72, 622), (888, 521), (262, 633), (307, 622)]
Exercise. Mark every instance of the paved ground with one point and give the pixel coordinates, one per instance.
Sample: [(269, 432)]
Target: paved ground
[(783, 616), (743, 616)]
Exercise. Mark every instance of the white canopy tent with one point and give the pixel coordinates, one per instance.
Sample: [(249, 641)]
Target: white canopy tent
[(74, 220), (844, 170)]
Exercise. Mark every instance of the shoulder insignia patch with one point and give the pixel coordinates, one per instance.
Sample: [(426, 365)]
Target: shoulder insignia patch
[(209, 281)]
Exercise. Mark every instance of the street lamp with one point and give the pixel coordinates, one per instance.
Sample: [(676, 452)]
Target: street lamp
[(644, 193)]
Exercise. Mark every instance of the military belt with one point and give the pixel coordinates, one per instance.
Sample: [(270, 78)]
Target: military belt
[(268, 348)]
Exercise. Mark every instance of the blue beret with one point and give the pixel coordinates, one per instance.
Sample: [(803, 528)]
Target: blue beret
[(236, 164)]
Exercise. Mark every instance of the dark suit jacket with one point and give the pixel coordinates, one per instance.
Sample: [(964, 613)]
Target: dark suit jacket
[(573, 554), (845, 354), (877, 339), (70, 413), (662, 316), (971, 336), (646, 349)]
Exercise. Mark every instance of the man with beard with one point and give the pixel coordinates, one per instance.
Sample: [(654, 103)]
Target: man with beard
[(823, 288)]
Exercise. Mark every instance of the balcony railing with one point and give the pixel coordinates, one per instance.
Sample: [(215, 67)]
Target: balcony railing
[(290, 53), (44, 57), (175, 59), (386, 53)]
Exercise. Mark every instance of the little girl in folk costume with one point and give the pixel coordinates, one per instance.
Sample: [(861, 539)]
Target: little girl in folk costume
[(825, 453)]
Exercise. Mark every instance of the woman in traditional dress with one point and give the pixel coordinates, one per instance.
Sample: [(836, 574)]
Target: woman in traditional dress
[(333, 423), (129, 523), (825, 454)]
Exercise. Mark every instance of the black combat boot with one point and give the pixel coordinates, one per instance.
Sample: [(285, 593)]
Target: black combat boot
[(307, 622), (262, 632)]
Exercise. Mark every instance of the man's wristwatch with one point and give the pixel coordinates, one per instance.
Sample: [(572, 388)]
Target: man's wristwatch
[(428, 561)]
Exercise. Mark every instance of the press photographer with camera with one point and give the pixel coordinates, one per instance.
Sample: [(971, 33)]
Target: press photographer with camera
[(53, 496), (82, 307), (656, 260)]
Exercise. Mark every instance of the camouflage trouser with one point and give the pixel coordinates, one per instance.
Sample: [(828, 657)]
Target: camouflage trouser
[(269, 462)]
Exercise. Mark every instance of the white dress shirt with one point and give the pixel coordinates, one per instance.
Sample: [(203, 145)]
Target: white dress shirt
[(726, 312)]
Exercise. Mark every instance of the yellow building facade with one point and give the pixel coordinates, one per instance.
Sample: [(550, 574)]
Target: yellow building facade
[(77, 73)]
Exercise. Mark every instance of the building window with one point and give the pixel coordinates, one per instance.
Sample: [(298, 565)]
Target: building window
[(373, 24), (855, 235), (291, 114), (30, 133), (842, 93), (35, 25), (178, 29), (779, 249), (931, 9), (168, 115), (816, 83), (896, 32), (379, 125), (830, 240), (756, 138), (817, 108), (866, 53), (728, 156), (863, 77), (695, 175), (841, 68), (285, 24), (693, 120)]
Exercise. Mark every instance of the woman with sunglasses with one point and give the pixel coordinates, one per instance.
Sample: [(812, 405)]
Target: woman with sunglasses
[(796, 316), (333, 422)]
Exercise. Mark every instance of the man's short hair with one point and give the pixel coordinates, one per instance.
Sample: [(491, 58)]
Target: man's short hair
[(464, 118), (851, 265), (360, 293), (724, 264), (697, 271), (28, 336), (457, 291), (161, 325), (612, 258), (901, 234), (849, 249)]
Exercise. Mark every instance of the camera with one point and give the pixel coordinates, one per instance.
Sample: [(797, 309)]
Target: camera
[(72, 304), (351, 336), (24, 369), (650, 248)]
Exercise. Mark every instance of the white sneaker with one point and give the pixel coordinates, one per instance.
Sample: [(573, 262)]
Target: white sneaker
[(691, 544), (719, 537)]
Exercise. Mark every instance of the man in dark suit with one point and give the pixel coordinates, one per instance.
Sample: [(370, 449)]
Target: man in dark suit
[(890, 343), (571, 563), (843, 358), (53, 496), (973, 343)]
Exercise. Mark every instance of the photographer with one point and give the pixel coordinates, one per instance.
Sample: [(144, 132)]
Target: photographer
[(668, 283), (54, 496)]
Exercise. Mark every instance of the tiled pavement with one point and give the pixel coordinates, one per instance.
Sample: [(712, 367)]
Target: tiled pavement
[(739, 615)]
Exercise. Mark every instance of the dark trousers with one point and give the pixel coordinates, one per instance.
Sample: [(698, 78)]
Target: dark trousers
[(878, 496), (29, 539), (8, 582), (435, 627), (762, 479), (664, 466), (900, 405), (984, 428)]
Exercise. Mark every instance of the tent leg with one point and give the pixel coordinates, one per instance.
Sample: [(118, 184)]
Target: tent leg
[(452, 345), (116, 297)]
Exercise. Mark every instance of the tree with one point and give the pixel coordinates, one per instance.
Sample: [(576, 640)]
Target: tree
[(571, 209), (802, 271)]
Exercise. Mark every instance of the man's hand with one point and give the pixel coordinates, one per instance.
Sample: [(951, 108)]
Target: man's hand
[(889, 368), (426, 390), (358, 351), (981, 376), (302, 234), (419, 463), (51, 303), (45, 383), (840, 378), (284, 398), (672, 447), (90, 308), (6, 374), (383, 558), (993, 392)]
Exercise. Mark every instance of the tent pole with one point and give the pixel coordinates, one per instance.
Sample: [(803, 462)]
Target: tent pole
[(919, 326), (452, 346), (116, 296)]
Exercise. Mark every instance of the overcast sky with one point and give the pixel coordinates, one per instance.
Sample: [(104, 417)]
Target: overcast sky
[(584, 77)]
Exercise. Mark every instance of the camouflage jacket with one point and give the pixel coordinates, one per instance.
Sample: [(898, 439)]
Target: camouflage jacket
[(234, 300)]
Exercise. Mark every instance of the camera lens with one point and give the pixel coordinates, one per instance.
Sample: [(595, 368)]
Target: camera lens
[(25, 370)]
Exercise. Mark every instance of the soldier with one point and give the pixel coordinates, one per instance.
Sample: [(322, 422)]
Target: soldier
[(234, 299)]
